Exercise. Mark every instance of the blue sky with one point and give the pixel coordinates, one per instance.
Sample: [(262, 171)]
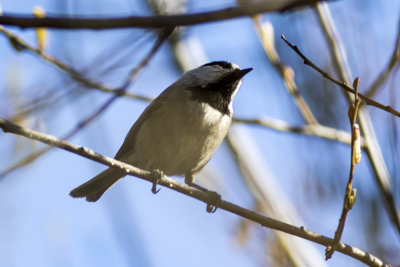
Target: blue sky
[(129, 226)]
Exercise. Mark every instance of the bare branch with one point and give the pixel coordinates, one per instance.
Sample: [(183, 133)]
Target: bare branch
[(158, 21), (165, 181), (350, 193), (74, 74), (308, 129), (367, 100), (372, 148), (316, 130)]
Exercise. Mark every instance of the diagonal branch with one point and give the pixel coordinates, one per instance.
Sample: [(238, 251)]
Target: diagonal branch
[(158, 21), (316, 130), (346, 87), (165, 181), (73, 73), (394, 59)]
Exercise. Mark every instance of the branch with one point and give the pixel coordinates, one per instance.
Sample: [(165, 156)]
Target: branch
[(254, 171), (355, 157), (394, 59), (316, 130), (165, 181), (158, 21), (367, 100), (308, 129), (122, 89), (188, 53), (74, 74)]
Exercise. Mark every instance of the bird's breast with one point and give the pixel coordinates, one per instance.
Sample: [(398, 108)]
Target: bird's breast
[(180, 139)]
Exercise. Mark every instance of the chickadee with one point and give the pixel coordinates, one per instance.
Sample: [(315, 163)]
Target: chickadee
[(180, 130)]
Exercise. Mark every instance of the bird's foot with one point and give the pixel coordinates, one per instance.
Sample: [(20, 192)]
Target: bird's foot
[(214, 201), (213, 197), (157, 175)]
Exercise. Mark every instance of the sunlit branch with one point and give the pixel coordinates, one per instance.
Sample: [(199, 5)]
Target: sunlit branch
[(316, 130), (350, 193), (345, 86), (165, 181)]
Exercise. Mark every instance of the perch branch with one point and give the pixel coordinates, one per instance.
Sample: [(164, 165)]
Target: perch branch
[(165, 181)]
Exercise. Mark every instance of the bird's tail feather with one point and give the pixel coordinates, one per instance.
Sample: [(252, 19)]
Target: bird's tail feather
[(95, 188)]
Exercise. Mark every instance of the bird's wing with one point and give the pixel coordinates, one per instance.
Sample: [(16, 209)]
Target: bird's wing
[(167, 96), (130, 138)]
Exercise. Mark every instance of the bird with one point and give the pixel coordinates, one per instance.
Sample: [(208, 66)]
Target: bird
[(180, 130)]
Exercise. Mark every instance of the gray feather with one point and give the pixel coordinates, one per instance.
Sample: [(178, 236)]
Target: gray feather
[(180, 130), (95, 188)]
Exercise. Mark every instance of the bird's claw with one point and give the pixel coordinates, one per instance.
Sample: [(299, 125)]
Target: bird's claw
[(157, 175), (213, 197), (214, 201)]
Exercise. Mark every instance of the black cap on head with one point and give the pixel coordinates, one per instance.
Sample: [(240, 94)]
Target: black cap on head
[(218, 93), (222, 64)]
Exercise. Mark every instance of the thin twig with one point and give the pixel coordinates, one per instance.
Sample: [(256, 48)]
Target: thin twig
[(349, 196), (367, 100), (165, 181), (158, 21), (161, 38), (74, 74)]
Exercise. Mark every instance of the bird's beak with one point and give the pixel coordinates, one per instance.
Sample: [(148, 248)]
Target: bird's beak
[(245, 71)]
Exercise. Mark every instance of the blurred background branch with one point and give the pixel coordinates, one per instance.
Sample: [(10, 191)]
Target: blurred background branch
[(393, 62), (74, 74)]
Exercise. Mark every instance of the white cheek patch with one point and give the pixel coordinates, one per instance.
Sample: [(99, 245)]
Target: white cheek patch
[(213, 116), (230, 106)]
